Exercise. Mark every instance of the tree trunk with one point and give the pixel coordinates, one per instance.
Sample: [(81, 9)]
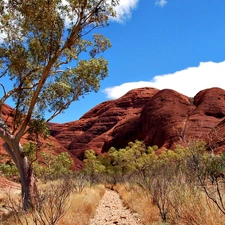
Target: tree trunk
[(29, 189)]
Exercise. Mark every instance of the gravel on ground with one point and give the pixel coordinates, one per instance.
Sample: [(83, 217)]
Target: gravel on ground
[(111, 211)]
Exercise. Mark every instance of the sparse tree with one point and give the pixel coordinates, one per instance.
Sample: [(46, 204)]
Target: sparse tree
[(93, 165), (41, 48), (54, 166), (210, 172)]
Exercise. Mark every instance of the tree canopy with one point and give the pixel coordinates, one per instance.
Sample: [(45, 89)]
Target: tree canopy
[(41, 55)]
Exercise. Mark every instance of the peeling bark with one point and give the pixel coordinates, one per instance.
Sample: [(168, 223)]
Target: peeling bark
[(30, 196)]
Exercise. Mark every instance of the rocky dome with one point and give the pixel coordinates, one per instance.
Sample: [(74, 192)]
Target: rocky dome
[(158, 117), (96, 127)]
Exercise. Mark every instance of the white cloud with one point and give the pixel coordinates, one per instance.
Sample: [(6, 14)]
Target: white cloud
[(160, 3), (188, 81), (124, 9), (2, 36)]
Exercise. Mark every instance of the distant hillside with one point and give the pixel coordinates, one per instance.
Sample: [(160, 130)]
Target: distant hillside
[(158, 117)]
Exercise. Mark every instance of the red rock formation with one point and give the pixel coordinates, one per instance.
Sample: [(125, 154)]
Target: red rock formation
[(95, 128), (7, 115), (164, 118), (170, 118)]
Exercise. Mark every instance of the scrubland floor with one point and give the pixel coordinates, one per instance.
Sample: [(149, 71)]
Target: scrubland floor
[(111, 211)]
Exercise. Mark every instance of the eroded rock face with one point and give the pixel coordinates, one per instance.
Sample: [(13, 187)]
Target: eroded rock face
[(98, 126), (164, 118), (170, 118)]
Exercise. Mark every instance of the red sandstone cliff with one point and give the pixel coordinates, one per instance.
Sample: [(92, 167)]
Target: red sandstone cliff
[(164, 118)]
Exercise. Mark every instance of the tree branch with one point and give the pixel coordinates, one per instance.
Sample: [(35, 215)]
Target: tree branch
[(47, 69), (57, 112), (9, 151), (4, 73), (42, 81)]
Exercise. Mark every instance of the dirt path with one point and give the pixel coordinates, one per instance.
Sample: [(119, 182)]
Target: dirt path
[(111, 211)]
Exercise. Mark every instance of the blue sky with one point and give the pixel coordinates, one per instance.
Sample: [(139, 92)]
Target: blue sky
[(177, 44)]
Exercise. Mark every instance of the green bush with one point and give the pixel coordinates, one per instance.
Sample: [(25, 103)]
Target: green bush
[(9, 170), (52, 166)]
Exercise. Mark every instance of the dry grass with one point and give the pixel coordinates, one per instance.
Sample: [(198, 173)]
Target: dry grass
[(83, 206), (192, 207), (187, 207), (4, 200), (139, 201), (79, 207)]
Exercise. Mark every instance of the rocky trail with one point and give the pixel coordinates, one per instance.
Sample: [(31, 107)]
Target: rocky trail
[(111, 211)]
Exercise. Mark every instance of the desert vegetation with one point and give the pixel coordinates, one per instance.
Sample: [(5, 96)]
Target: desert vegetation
[(50, 57), (60, 202), (180, 186)]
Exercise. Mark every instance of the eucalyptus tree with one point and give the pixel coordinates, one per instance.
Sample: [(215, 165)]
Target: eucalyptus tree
[(41, 55)]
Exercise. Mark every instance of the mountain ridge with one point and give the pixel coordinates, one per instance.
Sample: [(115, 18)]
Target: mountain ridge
[(157, 117), (164, 118)]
